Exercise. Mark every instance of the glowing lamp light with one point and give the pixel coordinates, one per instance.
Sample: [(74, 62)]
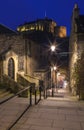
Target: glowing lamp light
[(54, 67), (58, 74), (53, 47)]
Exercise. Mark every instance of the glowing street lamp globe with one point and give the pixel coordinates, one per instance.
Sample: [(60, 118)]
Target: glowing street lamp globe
[(53, 47), (54, 67)]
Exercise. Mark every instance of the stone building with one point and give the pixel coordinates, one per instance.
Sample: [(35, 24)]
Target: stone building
[(44, 25), (25, 55), (60, 31), (21, 57), (76, 43), (46, 31)]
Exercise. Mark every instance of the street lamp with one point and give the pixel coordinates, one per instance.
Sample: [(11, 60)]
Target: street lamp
[(53, 47), (53, 78), (55, 71), (53, 68)]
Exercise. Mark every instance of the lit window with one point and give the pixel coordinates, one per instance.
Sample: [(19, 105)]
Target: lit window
[(40, 27), (22, 29)]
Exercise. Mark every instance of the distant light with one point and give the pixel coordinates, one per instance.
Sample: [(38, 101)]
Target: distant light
[(65, 84), (58, 73), (54, 67), (53, 47)]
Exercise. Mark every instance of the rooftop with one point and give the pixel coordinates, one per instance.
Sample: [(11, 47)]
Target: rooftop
[(6, 30)]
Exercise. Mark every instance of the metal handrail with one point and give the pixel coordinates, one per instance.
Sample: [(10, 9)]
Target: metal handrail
[(7, 99), (30, 103)]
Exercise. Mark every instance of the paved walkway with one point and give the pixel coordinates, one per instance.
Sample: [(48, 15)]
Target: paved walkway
[(61, 113)]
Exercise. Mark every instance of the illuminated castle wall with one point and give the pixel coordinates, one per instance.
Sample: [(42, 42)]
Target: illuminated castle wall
[(47, 25)]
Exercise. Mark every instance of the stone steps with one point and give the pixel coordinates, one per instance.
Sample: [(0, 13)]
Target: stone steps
[(4, 93)]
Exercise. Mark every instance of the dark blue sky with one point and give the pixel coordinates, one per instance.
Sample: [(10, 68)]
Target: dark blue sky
[(16, 12)]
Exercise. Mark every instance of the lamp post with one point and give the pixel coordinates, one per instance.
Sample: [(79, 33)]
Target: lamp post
[(52, 86), (55, 71), (53, 68), (54, 79), (51, 77)]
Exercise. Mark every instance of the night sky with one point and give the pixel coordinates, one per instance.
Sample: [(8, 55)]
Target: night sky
[(16, 12)]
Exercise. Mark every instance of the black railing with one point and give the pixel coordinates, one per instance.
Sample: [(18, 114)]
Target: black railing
[(33, 96), (48, 92)]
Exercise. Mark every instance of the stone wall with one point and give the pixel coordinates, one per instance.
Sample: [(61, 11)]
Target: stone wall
[(27, 55)]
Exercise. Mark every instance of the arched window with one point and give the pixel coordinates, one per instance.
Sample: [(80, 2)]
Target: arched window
[(11, 68)]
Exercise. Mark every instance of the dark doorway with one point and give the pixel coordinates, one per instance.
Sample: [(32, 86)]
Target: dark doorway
[(11, 68)]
